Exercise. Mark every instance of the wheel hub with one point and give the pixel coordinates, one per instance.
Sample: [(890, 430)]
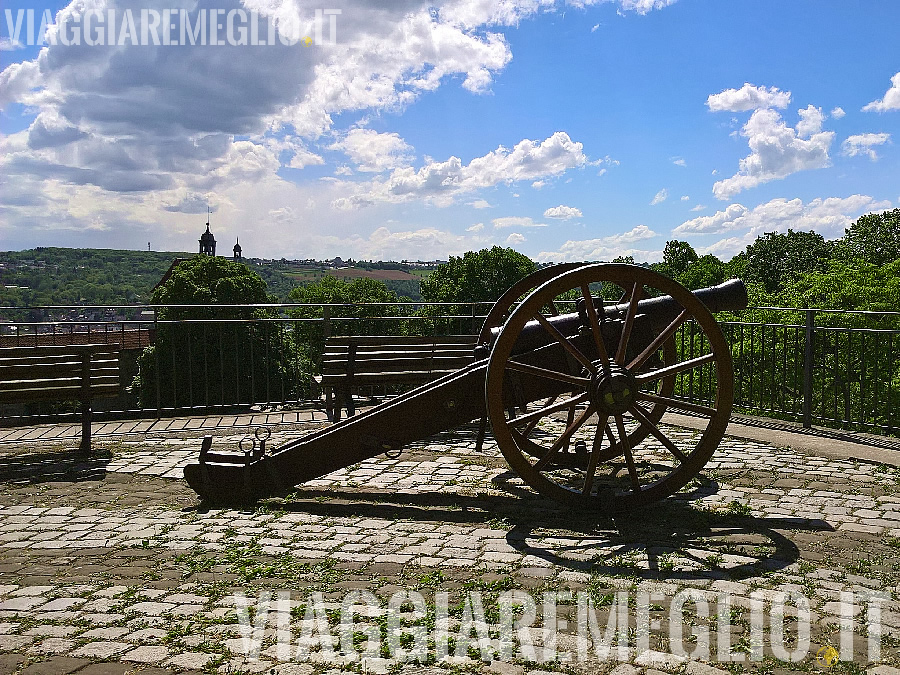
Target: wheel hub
[(613, 389)]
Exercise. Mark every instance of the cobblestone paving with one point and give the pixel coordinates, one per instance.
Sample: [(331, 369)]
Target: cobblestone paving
[(110, 565)]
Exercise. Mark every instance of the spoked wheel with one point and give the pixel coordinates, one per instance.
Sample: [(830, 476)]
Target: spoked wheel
[(575, 406)]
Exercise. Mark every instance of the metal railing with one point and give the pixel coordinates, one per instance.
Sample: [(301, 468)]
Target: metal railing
[(828, 368)]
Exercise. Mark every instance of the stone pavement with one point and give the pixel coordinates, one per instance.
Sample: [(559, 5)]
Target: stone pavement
[(111, 565)]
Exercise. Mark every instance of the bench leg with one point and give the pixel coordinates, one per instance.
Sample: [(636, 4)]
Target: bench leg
[(85, 446)]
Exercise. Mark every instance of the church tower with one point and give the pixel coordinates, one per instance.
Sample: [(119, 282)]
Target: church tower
[(207, 240), (237, 250)]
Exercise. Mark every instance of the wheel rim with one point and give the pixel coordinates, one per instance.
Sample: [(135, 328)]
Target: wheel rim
[(598, 444)]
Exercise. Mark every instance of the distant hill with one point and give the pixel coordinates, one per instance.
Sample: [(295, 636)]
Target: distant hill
[(66, 276)]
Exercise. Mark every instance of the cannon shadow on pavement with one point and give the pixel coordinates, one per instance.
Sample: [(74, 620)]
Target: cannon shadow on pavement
[(673, 540)]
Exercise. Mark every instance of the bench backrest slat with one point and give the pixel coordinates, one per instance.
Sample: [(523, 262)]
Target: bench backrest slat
[(44, 373)]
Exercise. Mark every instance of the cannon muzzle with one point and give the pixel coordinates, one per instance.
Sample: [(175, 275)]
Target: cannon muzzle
[(658, 312)]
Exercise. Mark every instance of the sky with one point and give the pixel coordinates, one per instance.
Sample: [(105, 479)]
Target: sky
[(397, 129)]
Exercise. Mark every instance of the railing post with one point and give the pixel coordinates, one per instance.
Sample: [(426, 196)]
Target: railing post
[(156, 338), (808, 369)]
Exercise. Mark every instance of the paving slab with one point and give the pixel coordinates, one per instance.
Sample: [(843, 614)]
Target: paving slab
[(114, 560)]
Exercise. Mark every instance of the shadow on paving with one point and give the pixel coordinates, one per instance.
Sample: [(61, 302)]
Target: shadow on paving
[(707, 544), (70, 466)]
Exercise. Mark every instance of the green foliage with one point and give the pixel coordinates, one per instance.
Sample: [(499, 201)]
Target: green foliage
[(351, 297), (873, 238), (198, 362), (207, 281), (775, 259), (855, 285), (63, 276), (704, 272), (677, 257), (481, 276)]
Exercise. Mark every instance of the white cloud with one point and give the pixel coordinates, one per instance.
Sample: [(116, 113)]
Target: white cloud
[(515, 221), (721, 221), (10, 45), (811, 120), (679, 162), (17, 81), (481, 204), (890, 100), (514, 239), (837, 113), (660, 197), (441, 182), (829, 217), (777, 150), (645, 6), (699, 207), (748, 97), (133, 122), (685, 198), (563, 212), (863, 144), (604, 248), (477, 227), (538, 184), (372, 151)]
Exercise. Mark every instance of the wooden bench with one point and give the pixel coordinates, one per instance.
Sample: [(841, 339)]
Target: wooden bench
[(73, 373), (351, 363)]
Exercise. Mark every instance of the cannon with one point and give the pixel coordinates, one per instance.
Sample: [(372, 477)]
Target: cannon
[(574, 398)]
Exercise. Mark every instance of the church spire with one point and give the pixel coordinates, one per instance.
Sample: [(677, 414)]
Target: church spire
[(207, 240)]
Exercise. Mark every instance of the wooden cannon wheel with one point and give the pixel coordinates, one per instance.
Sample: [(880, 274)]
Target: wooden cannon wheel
[(501, 311), (599, 446)]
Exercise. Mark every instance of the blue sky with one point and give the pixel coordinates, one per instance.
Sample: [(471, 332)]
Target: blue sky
[(567, 131)]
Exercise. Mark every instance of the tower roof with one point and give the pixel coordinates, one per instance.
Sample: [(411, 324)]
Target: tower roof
[(207, 236)]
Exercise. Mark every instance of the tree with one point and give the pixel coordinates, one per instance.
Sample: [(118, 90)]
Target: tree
[(209, 355), (208, 281), (481, 276), (352, 302), (775, 259), (874, 237), (706, 271), (677, 257)]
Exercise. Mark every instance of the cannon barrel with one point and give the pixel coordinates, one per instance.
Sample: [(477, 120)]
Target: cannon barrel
[(661, 311)]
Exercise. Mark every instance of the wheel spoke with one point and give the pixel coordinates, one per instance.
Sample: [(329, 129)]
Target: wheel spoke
[(609, 433), (660, 436), (594, 320), (562, 440), (533, 423), (595, 457), (676, 403), (565, 342), (538, 414), (548, 374), (629, 458), (659, 374), (636, 294), (669, 330)]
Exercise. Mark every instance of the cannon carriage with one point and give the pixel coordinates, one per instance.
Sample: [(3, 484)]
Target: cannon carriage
[(574, 398)]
